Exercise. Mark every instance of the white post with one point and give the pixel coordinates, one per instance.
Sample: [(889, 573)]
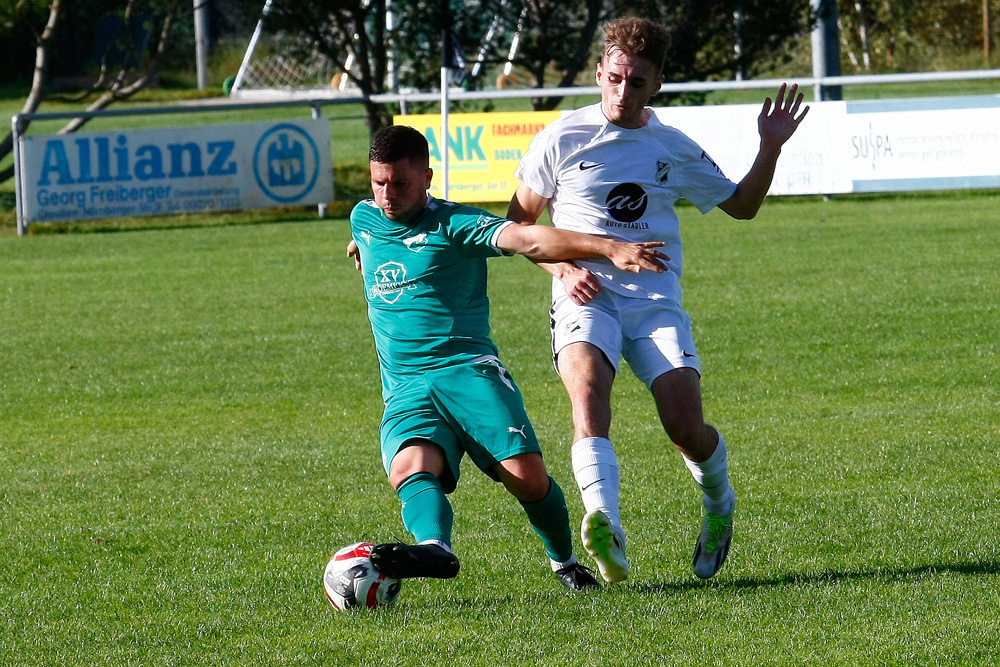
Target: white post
[(250, 47), (443, 143), (201, 41)]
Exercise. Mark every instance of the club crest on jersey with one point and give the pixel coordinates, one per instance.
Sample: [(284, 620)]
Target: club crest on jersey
[(662, 172), (416, 243), (389, 282)]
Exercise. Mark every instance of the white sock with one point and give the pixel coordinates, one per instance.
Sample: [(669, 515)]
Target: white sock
[(438, 543), (596, 469), (713, 478), (556, 565)]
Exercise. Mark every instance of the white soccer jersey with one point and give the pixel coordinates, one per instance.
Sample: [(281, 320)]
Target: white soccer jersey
[(606, 180)]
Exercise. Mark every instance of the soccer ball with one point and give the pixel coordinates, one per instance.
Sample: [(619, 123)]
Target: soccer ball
[(351, 580)]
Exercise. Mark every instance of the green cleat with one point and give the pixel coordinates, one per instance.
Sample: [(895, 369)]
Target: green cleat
[(606, 545), (713, 544)]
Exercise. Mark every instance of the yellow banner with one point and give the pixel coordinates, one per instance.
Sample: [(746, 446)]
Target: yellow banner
[(483, 150)]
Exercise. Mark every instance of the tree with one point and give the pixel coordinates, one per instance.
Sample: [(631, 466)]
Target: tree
[(906, 35), (125, 67), (348, 32), (720, 39), (571, 25)]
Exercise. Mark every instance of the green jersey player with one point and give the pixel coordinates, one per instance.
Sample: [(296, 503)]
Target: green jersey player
[(446, 392)]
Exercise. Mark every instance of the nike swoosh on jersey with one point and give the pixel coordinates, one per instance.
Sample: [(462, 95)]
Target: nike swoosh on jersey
[(584, 166)]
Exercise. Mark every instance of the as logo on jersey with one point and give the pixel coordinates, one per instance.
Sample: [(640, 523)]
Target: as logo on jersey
[(626, 202), (389, 282)]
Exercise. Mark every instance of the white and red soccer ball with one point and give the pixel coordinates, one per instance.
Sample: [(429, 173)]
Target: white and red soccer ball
[(351, 580)]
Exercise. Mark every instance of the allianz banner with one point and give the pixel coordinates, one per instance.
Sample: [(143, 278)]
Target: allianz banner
[(176, 170)]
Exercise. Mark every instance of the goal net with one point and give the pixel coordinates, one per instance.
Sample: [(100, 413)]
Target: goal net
[(285, 66), (288, 66)]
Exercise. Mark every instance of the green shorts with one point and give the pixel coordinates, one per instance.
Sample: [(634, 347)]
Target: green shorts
[(473, 408)]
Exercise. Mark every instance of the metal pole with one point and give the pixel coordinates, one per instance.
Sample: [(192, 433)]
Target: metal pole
[(201, 41), (446, 61), (15, 131), (443, 143), (825, 48), (987, 34), (250, 47), (317, 113)]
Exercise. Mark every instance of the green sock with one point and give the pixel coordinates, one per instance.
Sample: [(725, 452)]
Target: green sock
[(550, 519), (426, 512)]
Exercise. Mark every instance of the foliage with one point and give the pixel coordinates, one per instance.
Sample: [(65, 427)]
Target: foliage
[(724, 38), (907, 35), (340, 29), (558, 40), (82, 34)]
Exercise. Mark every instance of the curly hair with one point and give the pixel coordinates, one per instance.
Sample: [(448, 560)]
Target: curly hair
[(639, 37)]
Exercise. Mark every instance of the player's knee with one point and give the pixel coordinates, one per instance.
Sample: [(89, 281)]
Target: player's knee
[(686, 433), (414, 459), (525, 477), (531, 490)]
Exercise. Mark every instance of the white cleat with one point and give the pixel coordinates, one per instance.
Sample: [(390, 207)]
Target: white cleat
[(606, 545)]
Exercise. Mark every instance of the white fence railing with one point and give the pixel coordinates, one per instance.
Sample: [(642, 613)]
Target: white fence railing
[(317, 98)]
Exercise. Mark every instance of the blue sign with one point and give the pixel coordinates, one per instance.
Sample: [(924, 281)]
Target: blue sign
[(286, 163), (176, 170)]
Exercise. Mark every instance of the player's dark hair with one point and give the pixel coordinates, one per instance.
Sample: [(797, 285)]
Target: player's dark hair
[(638, 37), (399, 142)]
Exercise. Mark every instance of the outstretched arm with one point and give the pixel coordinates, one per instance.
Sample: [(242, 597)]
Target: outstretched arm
[(525, 208), (543, 243), (775, 128)]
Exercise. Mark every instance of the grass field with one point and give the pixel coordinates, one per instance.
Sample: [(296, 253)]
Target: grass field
[(188, 430)]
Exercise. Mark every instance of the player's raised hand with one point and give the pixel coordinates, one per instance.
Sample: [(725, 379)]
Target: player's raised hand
[(778, 125), (635, 257)]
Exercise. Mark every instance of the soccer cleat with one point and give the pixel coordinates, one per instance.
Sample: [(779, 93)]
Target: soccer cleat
[(577, 577), (713, 544), (405, 561), (606, 545)]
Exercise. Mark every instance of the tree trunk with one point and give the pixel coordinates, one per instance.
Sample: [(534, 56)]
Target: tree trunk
[(37, 93)]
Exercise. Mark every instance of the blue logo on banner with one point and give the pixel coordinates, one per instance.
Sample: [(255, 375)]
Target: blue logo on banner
[(286, 163)]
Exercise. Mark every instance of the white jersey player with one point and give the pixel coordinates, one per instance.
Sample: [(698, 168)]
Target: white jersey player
[(613, 169)]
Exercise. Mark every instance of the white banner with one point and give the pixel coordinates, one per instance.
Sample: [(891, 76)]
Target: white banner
[(870, 146), (810, 162), (924, 144), (176, 170)]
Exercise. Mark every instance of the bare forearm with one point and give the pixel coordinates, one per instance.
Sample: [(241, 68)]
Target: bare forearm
[(751, 191), (547, 244)]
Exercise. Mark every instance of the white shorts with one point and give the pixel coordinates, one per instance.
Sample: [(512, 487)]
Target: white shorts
[(654, 336)]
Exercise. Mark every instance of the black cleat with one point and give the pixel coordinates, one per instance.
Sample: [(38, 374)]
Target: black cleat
[(577, 577), (405, 561)]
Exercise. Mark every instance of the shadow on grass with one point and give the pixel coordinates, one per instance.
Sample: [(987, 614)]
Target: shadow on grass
[(985, 567)]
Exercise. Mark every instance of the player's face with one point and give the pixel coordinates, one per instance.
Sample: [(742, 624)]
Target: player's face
[(400, 188), (627, 82)]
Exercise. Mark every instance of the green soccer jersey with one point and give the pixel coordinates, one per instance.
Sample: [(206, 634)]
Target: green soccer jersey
[(425, 283)]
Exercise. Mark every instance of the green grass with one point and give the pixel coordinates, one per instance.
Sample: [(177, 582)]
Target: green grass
[(188, 429)]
